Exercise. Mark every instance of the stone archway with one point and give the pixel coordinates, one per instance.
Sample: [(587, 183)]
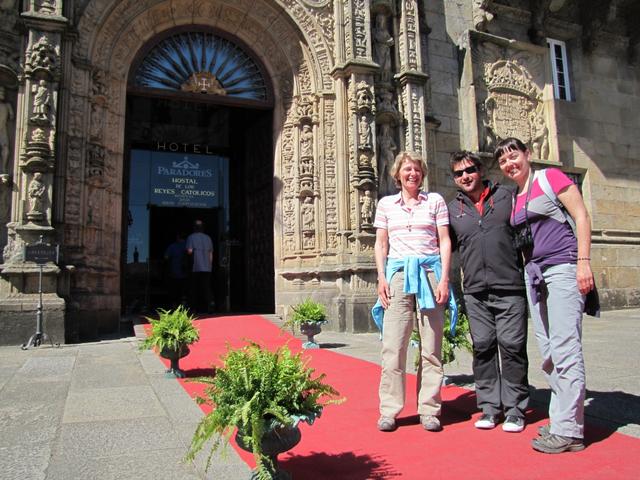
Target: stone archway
[(110, 35)]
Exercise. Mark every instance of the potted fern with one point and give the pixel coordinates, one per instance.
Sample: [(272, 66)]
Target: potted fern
[(309, 316), (459, 340), (171, 334), (264, 395)]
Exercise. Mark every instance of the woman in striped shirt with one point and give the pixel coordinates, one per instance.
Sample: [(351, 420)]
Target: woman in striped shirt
[(413, 256)]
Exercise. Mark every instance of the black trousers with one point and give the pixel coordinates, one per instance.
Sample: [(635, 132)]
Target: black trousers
[(201, 292), (498, 324)]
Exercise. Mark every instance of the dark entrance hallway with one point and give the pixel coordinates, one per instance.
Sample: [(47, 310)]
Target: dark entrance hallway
[(194, 160)]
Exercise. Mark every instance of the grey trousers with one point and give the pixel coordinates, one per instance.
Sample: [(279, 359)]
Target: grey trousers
[(498, 324), (557, 321)]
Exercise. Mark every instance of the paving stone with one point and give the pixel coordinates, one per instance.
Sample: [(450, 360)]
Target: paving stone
[(151, 465), (108, 374), (97, 439), (20, 391), (28, 423), (47, 368), (151, 363), (115, 403), (24, 461)]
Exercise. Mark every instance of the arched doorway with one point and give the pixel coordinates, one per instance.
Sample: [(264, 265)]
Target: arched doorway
[(198, 145)]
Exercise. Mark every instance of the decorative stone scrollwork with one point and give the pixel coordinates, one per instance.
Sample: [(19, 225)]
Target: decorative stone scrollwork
[(363, 98), (43, 58), (306, 163), (47, 7), (306, 109), (38, 151), (96, 160), (359, 29)]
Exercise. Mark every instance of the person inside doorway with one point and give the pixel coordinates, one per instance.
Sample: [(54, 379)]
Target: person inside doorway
[(200, 248), (176, 257)]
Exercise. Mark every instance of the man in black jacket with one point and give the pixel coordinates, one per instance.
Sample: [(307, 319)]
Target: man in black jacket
[(494, 293)]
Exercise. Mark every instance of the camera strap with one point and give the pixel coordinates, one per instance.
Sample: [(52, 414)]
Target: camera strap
[(526, 202)]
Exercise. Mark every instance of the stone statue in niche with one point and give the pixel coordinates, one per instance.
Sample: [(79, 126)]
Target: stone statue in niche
[(539, 137), (37, 189), (364, 133), (41, 102), (6, 114), (307, 213), (382, 42), (366, 208), (306, 142), (386, 152)]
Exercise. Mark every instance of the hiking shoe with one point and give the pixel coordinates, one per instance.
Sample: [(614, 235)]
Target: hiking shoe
[(486, 421), (544, 430), (553, 443), (386, 424), (430, 423), (513, 424)]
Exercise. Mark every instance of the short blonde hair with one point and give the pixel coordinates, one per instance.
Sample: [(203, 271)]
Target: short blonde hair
[(407, 156)]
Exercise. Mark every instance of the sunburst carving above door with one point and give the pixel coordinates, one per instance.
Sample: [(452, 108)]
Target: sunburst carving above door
[(201, 62)]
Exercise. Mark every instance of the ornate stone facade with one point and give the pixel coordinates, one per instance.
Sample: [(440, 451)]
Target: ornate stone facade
[(352, 83)]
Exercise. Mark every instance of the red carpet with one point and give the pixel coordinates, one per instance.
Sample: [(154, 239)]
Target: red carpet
[(344, 442)]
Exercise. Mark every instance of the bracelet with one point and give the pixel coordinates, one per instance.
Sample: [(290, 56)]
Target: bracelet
[(587, 259)]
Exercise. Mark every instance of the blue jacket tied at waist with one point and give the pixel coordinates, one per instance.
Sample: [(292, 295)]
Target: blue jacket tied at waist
[(415, 282)]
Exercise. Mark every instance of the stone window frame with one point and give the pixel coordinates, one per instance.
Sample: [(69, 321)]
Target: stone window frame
[(558, 84)]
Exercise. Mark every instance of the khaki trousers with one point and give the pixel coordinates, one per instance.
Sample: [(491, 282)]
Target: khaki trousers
[(399, 321)]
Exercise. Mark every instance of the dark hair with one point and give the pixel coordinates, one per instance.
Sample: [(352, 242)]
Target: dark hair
[(198, 226), (462, 155), (508, 145)]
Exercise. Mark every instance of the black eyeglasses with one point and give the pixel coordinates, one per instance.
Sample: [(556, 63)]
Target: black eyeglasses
[(469, 170)]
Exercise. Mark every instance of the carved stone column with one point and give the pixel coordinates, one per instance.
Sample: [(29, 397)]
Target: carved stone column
[(411, 78), (33, 179)]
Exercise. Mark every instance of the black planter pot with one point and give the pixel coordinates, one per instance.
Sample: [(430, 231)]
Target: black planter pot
[(310, 329), (175, 355), (276, 440)]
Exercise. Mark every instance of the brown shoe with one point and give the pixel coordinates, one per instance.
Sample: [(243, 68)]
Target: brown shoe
[(430, 423), (553, 443)]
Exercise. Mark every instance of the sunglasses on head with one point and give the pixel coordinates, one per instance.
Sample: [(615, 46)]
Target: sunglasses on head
[(469, 170)]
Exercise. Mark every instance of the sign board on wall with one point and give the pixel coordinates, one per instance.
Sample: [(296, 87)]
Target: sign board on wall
[(187, 182)]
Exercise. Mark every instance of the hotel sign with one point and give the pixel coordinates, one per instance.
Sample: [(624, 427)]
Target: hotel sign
[(185, 183)]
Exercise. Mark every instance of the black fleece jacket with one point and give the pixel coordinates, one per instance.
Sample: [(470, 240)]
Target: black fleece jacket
[(488, 258)]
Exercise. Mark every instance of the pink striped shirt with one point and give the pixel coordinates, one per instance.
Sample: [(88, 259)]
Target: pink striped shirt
[(412, 231)]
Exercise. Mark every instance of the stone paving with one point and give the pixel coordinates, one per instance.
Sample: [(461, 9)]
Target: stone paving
[(105, 410)]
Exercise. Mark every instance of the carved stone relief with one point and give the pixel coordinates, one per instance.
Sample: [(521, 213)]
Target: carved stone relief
[(513, 107), (509, 89)]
